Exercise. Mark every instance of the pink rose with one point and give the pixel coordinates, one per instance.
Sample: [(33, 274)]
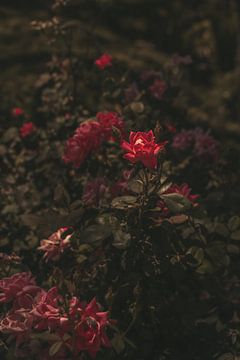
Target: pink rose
[(55, 245)]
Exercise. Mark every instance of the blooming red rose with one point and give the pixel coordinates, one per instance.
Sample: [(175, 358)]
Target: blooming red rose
[(104, 61), (90, 329), (27, 129), (55, 245), (142, 147), (16, 112)]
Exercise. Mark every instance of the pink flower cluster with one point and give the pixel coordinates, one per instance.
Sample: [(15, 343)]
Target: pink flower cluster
[(203, 145), (183, 190), (90, 135), (55, 245), (79, 326)]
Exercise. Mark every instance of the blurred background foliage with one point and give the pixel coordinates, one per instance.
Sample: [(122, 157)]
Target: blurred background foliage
[(144, 35)]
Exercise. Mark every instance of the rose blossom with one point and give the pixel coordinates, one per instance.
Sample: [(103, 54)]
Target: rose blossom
[(90, 135), (142, 147), (86, 139), (16, 285), (90, 329), (104, 61), (27, 129), (16, 112), (47, 312), (55, 245)]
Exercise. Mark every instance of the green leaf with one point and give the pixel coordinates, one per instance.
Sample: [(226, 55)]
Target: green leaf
[(124, 202), (10, 135), (233, 249), (55, 348), (61, 196), (226, 356), (95, 234), (118, 343), (178, 219), (197, 253), (46, 336), (234, 223), (137, 107), (136, 186), (81, 258), (236, 235), (221, 229), (121, 239), (164, 187), (177, 203)]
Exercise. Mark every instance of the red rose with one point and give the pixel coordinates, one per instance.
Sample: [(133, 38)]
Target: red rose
[(27, 129), (104, 61), (15, 286), (16, 112), (90, 330), (142, 147)]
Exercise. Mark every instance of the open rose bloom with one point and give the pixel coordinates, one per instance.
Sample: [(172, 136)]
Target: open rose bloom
[(55, 245), (142, 148)]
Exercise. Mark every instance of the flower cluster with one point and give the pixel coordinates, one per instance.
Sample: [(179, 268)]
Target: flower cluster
[(142, 148), (90, 135), (203, 145), (79, 326), (55, 245)]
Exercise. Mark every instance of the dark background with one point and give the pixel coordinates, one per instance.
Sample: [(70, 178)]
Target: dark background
[(143, 34)]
